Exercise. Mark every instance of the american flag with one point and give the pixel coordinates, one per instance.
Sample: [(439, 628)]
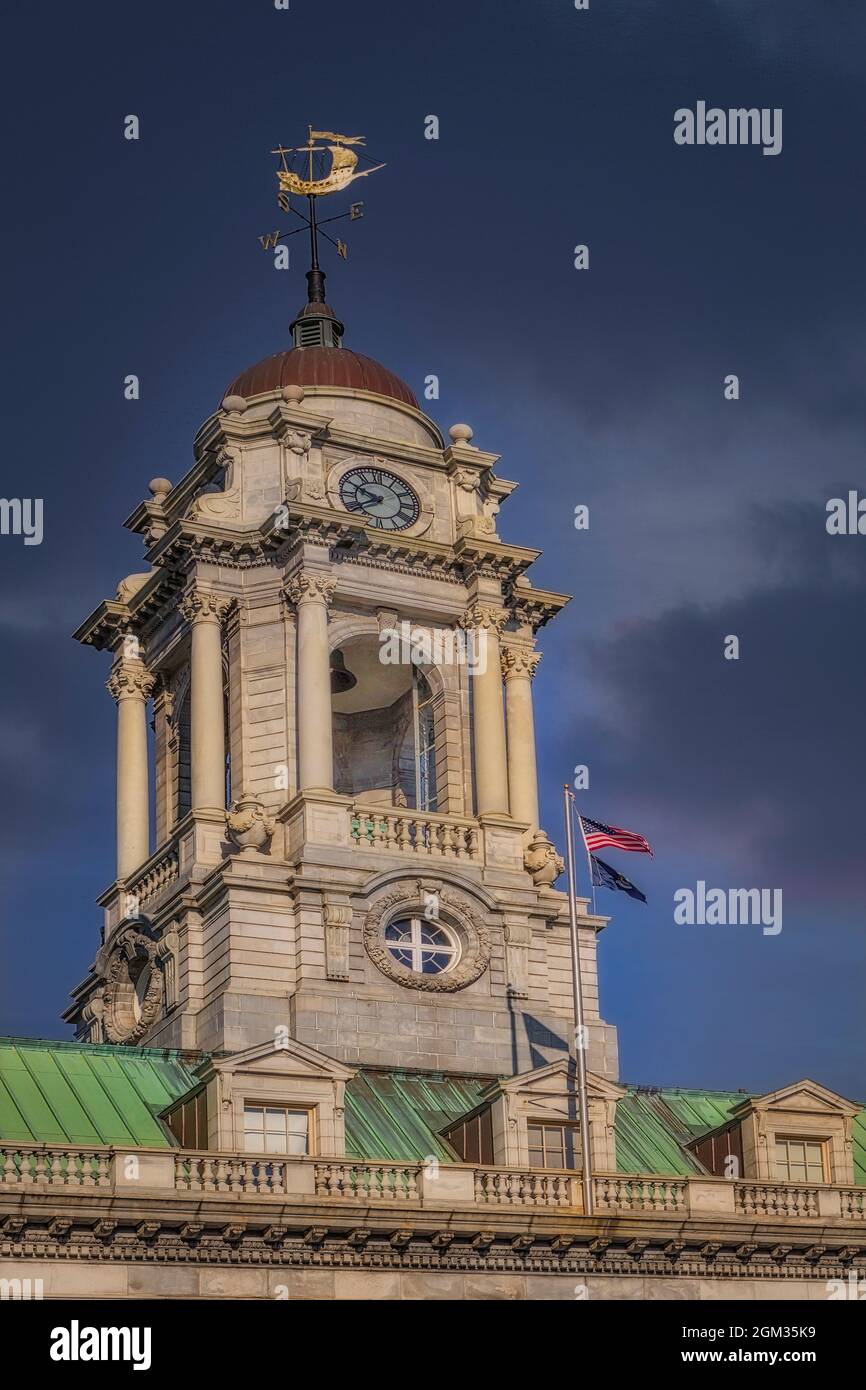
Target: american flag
[(597, 836)]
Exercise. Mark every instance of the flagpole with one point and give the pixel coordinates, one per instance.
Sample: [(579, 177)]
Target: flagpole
[(588, 857), (580, 1030)]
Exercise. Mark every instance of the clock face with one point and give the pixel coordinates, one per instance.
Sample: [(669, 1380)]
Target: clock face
[(386, 502)]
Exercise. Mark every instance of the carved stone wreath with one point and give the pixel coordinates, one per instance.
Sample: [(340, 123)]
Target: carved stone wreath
[(469, 924), (132, 955)]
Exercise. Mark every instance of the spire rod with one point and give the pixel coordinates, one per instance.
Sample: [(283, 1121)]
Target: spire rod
[(315, 276)]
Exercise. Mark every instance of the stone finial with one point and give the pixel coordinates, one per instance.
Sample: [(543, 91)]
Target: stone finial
[(541, 861), (293, 394), (248, 825), (159, 488), (234, 404), (461, 434)]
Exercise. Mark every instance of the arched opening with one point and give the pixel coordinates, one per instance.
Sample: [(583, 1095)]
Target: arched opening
[(384, 731)]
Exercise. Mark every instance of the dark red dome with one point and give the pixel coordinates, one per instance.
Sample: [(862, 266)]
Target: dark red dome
[(320, 366)]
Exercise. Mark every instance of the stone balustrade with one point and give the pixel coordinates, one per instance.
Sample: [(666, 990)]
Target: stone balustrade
[(368, 1182), (28, 1165), (113, 1170), (426, 833), (636, 1194), (776, 1199), (513, 1187), (160, 871)]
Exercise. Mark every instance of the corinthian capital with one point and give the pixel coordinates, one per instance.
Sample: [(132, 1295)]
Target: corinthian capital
[(200, 605), (309, 587), (130, 680), (484, 615), (519, 661)]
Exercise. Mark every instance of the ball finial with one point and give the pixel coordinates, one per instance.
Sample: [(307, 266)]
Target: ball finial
[(293, 394), (159, 488), (460, 434)]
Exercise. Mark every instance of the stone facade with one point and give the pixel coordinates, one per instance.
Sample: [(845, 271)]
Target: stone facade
[(349, 874), (259, 574)]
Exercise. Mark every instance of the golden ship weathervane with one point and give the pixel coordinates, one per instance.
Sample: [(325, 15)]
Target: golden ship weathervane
[(327, 164)]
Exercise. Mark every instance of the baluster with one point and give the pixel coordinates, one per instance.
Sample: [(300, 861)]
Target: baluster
[(411, 1192), (474, 848), (40, 1171), (279, 1175)]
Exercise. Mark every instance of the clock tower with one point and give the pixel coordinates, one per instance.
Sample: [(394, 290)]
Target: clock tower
[(339, 648)]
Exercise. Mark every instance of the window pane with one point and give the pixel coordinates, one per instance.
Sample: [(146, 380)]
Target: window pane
[(435, 964)]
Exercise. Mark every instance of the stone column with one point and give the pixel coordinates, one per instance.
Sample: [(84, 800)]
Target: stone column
[(518, 668), (485, 623), (311, 593), (131, 684), (206, 612)]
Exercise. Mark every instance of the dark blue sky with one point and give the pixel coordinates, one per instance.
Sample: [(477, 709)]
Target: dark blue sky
[(605, 388)]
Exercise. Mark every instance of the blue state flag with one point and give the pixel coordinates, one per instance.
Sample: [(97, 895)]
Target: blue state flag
[(603, 876)]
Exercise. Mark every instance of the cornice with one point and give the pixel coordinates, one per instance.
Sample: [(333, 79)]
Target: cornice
[(188, 541), (111, 620), (324, 1235), (535, 607)]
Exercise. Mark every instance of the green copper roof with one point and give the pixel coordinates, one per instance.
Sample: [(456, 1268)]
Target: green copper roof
[(396, 1114), (80, 1093), (652, 1127)]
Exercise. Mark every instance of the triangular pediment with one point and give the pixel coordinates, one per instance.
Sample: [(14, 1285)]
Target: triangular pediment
[(805, 1096), (288, 1059), (560, 1079)]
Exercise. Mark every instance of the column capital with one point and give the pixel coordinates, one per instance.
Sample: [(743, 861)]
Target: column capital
[(309, 586), (519, 661), (130, 680), (202, 605), (484, 615)]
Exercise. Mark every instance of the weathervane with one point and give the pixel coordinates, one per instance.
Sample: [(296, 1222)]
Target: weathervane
[(302, 182)]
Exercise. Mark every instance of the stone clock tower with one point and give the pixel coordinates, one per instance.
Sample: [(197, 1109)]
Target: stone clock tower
[(338, 650)]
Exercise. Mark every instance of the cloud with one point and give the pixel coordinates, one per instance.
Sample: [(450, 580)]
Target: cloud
[(760, 760)]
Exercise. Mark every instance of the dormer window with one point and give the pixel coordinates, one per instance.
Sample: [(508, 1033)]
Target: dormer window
[(553, 1146), (801, 1160), (275, 1129)]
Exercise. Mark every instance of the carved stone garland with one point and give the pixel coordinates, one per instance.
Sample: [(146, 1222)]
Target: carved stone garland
[(120, 985)]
